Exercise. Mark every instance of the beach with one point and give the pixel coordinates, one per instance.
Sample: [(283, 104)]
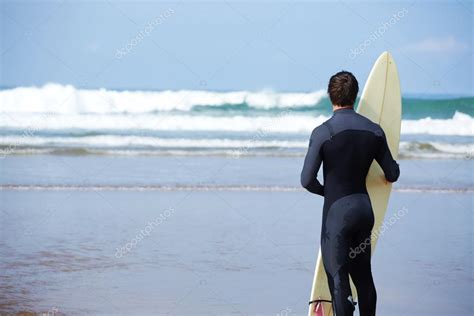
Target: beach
[(151, 154), (161, 235)]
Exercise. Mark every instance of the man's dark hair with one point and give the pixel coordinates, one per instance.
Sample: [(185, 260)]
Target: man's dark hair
[(343, 88)]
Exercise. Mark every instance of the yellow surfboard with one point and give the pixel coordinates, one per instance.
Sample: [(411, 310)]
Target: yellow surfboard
[(380, 102)]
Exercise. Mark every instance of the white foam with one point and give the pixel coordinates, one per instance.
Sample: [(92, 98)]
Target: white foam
[(54, 107), (59, 99), (144, 141), (182, 146), (193, 187), (436, 150), (460, 124), (161, 122)]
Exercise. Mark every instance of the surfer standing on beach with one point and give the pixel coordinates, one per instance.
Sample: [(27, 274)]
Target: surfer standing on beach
[(346, 145)]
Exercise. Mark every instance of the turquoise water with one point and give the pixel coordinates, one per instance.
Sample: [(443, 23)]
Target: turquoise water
[(57, 119), (413, 108)]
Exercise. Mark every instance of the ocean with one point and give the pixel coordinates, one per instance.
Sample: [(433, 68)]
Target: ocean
[(189, 202), (61, 119)]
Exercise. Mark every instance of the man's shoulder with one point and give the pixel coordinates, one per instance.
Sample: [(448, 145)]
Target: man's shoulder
[(321, 131), (370, 125)]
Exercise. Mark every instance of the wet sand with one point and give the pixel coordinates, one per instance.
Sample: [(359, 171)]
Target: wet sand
[(215, 251)]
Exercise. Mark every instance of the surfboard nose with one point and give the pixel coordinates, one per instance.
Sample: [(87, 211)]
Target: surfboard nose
[(385, 56)]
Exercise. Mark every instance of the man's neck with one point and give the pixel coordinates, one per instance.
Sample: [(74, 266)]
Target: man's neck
[(338, 107)]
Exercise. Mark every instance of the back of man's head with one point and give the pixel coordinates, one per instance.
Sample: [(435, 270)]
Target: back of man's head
[(343, 88)]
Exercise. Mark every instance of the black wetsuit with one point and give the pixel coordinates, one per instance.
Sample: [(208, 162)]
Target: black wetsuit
[(347, 144)]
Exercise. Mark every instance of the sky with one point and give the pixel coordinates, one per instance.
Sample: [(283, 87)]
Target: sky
[(234, 45)]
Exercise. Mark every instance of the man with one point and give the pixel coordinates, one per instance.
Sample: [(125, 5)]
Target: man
[(346, 144)]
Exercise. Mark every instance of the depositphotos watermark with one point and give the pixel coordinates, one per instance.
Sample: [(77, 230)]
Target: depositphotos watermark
[(259, 135), (145, 32), (379, 32), (52, 312), (145, 232), (29, 132), (285, 312), (376, 234)]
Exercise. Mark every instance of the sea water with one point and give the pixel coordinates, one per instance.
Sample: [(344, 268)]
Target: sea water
[(62, 119)]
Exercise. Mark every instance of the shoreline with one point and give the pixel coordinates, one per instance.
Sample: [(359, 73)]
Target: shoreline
[(204, 188)]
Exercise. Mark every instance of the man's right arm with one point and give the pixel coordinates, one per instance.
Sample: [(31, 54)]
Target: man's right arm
[(313, 160), (385, 160)]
